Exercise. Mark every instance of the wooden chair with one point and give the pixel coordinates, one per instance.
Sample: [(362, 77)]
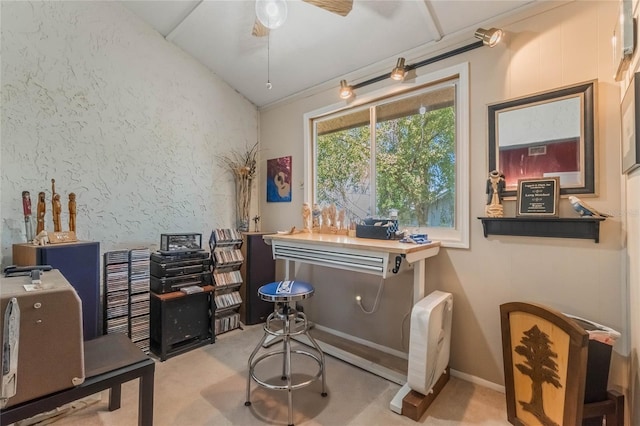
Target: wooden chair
[(545, 368)]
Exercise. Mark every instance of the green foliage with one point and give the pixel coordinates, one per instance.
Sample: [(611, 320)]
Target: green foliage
[(343, 166), (414, 163)]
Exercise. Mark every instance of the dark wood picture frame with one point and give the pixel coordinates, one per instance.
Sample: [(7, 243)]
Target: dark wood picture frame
[(587, 93), (630, 119), (538, 197)]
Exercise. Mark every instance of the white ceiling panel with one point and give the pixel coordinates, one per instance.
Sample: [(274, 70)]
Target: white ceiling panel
[(313, 46)]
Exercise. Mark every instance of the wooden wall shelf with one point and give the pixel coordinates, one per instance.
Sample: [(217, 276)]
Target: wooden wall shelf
[(580, 227)]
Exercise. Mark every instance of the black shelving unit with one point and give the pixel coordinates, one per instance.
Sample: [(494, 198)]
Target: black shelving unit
[(581, 227)]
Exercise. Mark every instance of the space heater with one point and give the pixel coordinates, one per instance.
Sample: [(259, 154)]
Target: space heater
[(429, 344)]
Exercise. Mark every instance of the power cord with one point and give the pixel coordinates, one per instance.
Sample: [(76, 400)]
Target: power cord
[(375, 303)]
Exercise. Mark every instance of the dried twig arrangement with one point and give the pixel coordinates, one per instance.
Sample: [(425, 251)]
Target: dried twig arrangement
[(241, 164), (243, 167)]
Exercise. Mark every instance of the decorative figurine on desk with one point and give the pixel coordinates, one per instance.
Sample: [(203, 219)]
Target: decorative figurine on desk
[(72, 212), (324, 225), (42, 207), (306, 217), (316, 213), (495, 188), (342, 226), (332, 216), (256, 219)]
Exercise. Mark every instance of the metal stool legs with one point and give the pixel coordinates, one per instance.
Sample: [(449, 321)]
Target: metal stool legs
[(294, 323)]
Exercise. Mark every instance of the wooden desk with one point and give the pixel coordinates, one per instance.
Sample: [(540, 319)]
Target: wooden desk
[(369, 256), (109, 361), (377, 257)]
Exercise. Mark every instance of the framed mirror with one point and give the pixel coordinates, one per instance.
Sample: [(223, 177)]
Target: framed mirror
[(549, 134)]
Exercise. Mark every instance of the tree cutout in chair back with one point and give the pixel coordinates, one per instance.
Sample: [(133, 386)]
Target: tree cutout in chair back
[(540, 353), (540, 367)]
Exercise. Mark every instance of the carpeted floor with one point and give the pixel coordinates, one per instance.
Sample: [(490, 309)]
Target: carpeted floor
[(207, 386)]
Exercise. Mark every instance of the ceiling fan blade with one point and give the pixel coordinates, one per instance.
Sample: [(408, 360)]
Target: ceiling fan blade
[(340, 7), (259, 30)]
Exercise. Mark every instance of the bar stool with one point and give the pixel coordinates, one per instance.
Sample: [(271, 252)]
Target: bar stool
[(285, 294)]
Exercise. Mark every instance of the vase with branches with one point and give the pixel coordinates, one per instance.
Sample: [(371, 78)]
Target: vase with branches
[(243, 167)]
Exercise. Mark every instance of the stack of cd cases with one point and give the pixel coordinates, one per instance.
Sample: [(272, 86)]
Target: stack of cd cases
[(126, 295), (116, 292), (139, 280)]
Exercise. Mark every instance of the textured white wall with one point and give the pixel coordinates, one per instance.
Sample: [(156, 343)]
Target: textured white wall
[(97, 100)]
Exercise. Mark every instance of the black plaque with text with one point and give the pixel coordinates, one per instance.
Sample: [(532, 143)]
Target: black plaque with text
[(538, 197)]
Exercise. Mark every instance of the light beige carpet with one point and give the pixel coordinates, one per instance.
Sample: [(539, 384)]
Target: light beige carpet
[(206, 386)]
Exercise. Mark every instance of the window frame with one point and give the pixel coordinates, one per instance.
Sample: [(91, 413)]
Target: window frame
[(457, 237)]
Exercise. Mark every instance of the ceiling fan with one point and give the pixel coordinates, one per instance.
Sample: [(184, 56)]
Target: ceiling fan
[(270, 14)]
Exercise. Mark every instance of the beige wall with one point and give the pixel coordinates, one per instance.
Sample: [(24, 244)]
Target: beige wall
[(566, 45)]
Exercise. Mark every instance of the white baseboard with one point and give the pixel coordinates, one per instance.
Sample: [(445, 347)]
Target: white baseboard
[(477, 380)]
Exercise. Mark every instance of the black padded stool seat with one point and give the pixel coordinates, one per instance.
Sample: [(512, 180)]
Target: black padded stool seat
[(294, 323)]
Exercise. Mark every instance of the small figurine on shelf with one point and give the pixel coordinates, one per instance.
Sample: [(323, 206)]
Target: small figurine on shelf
[(42, 207), (41, 239), (57, 210), (26, 210), (72, 212), (256, 219), (495, 189)]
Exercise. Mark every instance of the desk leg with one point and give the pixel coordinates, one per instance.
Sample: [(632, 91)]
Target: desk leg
[(289, 267), (115, 396), (145, 397), (419, 281)]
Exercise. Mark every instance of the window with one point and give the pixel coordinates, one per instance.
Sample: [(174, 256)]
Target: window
[(406, 152)]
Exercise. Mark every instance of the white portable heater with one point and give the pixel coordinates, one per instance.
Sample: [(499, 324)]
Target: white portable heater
[(429, 344)]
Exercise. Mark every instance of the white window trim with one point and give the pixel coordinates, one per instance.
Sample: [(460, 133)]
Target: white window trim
[(457, 237)]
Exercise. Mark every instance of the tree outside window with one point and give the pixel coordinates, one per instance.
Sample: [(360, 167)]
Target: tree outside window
[(411, 154)]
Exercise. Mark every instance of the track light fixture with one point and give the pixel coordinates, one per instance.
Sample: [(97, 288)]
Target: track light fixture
[(489, 37), (346, 91), (399, 71)]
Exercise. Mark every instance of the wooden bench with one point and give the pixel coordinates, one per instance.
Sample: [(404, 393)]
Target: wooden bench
[(110, 361)]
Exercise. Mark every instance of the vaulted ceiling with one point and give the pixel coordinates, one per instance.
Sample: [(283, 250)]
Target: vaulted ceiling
[(315, 46)]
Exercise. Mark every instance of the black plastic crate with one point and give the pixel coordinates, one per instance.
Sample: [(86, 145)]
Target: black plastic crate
[(369, 229)]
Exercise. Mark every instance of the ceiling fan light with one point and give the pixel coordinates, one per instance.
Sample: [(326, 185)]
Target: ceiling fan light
[(271, 13), (399, 72), (346, 91), (489, 37)]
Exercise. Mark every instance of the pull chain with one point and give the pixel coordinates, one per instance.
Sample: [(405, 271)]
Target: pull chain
[(268, 61)]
